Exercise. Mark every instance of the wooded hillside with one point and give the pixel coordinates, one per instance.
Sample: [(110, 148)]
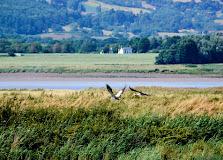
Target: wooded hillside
[(107, 18)]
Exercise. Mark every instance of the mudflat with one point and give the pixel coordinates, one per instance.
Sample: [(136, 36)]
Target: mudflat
[(153, 77)]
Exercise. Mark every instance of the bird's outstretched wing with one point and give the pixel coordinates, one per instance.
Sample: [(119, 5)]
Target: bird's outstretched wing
[(119, 94), (109, 89), (142, 93), (133, 90)]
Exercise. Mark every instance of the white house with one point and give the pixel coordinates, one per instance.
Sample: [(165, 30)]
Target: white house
[(125, 50)]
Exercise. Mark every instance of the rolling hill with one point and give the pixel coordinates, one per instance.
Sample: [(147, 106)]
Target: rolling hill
[(96, 18)]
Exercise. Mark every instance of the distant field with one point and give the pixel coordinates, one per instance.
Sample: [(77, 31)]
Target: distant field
[(219, 21), (85, 63), (91, 4)]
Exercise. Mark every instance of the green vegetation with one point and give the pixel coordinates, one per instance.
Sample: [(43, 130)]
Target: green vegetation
[(60, 63), (173, 50), (85, 63), (192, 50), (90, 20), (64, 125), (20, 44)]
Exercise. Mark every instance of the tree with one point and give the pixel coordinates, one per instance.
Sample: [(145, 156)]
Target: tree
[(4, 46), (155, 43), (57, 48), (134, 44), (212, 49), (166, 57), (98, 9), (88, 46), (187, 51), (180, 50), (144, 45), (66, 47), (170, 41), (34, 48), (106, 49)]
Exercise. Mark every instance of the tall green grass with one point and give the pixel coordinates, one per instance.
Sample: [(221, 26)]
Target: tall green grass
[(101, 133)]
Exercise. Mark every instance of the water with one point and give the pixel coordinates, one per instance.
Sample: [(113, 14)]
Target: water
[(78, 85)]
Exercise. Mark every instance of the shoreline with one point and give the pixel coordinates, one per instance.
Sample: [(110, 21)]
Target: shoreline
[(134, 77)]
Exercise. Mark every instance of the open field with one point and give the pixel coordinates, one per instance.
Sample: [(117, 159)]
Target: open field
[(86, 63), (219, 21), (105, 6), (169, 124)]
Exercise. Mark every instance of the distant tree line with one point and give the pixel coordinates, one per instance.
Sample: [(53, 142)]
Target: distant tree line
[(191, 50), (172, 50), (139, 45)]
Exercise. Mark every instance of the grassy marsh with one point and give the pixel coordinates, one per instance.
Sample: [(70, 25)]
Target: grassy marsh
[(170, 124), (162, 102)]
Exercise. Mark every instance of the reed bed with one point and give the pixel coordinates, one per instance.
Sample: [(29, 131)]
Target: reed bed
[(169, 124), (162, 101)]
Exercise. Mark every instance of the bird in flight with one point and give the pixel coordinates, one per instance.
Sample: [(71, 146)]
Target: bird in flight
[(116, 96), (138, 93)]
